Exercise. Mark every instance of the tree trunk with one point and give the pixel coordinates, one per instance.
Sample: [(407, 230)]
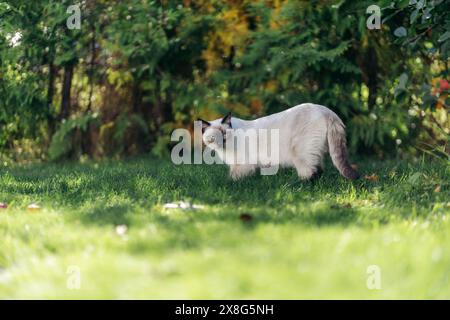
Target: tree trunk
[(137, 97), (50, 94), (367, 61), (66, 90), (87, 143), (371, 63), (92, 67), (51, 84), (162, 111)]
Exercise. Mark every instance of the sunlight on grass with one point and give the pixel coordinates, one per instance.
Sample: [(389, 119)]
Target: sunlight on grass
[(263, 237)]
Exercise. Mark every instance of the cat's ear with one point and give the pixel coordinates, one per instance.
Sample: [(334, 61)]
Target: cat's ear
[(205, 124), (227, 119)]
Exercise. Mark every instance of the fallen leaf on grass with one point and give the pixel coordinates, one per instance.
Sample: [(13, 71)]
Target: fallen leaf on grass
[(3, 205), (33, 207), (245, 217), (437, 189), (373, 177)]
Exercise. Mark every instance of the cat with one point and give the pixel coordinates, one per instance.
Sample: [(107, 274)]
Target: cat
[(306, 133)]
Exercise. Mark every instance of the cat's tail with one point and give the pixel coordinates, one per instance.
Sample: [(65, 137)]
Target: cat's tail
[(337, 145)]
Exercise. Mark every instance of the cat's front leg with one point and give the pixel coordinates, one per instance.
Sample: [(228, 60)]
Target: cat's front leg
[(239, 171)]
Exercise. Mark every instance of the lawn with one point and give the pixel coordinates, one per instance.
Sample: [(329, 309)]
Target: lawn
[(270, 237)]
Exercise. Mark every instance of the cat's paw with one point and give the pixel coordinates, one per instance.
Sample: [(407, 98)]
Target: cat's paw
[(238, 172), (305, 173), (235, 175)]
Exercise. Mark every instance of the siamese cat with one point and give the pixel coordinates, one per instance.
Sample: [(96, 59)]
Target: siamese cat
[(306, 133)]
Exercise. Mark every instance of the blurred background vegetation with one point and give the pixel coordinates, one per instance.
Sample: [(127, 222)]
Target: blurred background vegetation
[(137, 69)]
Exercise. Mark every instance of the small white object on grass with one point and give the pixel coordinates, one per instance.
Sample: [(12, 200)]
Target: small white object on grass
[(182, 205), (33, 207), (121, 229), (171, 206)]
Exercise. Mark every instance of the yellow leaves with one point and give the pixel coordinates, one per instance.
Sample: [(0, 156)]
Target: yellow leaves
[(235, 27), (107, 127), (440, 87), (441, 101), (256, 106), (233, 31), (119, 78), (231, 15), (208, 114), (271, 86), (275, 21), (239, 108), (213, 60)]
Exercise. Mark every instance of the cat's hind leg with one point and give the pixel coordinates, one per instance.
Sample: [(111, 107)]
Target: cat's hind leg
[(318, 173), (305, 170), (240, 171), (307, 158), (319, 170)]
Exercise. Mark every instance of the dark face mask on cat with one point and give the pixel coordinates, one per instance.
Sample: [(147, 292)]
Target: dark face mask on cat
[(215, 136)]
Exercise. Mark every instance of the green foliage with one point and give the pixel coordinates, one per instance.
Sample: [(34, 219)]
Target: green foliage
[(62, 141), (422, 28), (300, 61), (148, 67), (423, 21)]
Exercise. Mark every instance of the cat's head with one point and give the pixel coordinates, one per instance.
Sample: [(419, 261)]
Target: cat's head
[(216, 133)]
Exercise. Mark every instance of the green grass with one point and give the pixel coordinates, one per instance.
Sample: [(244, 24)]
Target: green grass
[(304, 239)]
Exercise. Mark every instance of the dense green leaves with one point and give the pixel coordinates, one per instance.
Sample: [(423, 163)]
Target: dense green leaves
[(62, 141), (146, 67)]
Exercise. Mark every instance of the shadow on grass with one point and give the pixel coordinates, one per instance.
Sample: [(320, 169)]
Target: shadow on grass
[(106, 215), (77, 184), (193, 230), (142, 184)]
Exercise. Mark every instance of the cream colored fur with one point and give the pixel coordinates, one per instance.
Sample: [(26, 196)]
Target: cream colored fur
[(305, 133)]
